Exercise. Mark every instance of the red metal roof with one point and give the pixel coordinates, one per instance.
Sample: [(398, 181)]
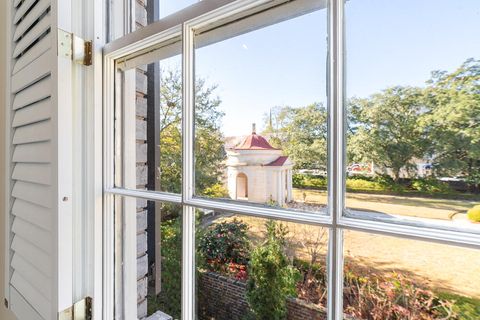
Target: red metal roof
[(254, 142), (280, 161)]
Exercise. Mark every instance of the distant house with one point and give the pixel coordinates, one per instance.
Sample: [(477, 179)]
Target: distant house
[(258, 172)]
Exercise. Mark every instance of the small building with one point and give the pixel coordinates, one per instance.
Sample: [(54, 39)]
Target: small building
[(258, 172)]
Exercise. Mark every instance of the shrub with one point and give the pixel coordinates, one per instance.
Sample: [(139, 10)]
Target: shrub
[(430, 185), (474, 214), (387, 183), (169, 299), (215, 191), (225, 247), (391, 297), (271, 276), (308, 181), (359, 184)]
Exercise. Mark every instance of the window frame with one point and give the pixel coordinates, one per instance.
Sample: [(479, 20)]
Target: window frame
[(184, 23)]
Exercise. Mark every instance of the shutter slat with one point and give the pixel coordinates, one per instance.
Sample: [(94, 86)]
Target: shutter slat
[(16, 3), (34, 33), (34, 193), (37, 50), (39, 216), (37, 279), (38, 69), (35, 298), (40, 131), (21, 308), (30, 18), (22, 10), (33, 172), (36, 92), (24, 229), (33, 255), (40, 152), (33, 113)]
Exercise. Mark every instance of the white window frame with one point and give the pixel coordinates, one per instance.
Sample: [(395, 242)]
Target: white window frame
[(183, 24)]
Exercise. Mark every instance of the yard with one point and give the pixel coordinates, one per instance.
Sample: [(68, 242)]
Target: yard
[(432, 208), (439, 267)]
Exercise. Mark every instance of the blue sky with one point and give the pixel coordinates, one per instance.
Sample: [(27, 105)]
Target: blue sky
[(389, 42)]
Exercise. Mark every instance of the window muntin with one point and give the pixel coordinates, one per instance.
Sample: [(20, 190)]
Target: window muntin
[(410, 156), (426, 231), (257, 136)]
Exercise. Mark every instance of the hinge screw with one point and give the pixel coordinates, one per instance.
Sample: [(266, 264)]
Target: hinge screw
[(5, 301)]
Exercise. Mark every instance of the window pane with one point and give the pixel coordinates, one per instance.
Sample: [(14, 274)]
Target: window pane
[(155, 230), (395, 278), (253, 268), (164, 252), (167, 7), (147, 12), (261, 116), (149, 154), (413, 105)]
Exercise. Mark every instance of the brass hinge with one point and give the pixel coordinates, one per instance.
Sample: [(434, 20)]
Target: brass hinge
[(82, 310), (74, 48)]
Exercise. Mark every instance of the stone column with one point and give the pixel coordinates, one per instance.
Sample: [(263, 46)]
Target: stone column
[(289, 185)]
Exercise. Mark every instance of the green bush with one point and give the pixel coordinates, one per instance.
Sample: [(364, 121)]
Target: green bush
[(358, 184), (170, 297), (271, 277), (308, 181), (215, 191), (474, 214), (430, 185), (224, 244)]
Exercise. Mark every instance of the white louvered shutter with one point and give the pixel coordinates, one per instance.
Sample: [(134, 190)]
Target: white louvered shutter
[(40, 274)]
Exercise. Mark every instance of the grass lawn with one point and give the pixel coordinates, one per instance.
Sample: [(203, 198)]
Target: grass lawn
[(465, 308), (390, 204)]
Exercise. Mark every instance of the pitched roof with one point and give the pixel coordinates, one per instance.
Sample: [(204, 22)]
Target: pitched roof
[(280, 161), (254, 142)]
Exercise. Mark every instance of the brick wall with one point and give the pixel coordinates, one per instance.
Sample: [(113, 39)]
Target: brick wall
[(223, 298), (141, 170)]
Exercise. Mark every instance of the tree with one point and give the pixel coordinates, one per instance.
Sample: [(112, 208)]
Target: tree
[(209, 140), (384, 129), (453, 122), (301, 133), (271, 277)]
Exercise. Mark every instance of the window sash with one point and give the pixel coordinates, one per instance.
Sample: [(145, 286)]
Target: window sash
[(136, 48)]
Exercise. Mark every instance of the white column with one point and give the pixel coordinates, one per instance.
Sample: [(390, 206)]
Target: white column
[(279, 199), (289, 185)]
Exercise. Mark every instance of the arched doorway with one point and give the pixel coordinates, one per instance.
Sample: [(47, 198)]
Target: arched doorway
[(242, 186)]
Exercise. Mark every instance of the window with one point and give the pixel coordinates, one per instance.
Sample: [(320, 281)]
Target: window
[(241, 139)]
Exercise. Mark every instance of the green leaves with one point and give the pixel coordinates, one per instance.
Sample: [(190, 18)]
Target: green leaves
[(272, 278), (301, 133), (385, 129)]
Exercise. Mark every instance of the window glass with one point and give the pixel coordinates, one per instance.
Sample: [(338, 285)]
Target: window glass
[(253, 268), (167, 7), (396, 278), (412, 104), (150, 126), (147, 12), (261, 114), (155, 262)]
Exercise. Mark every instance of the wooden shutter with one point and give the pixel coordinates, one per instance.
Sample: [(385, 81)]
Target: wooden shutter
[(40, 214)]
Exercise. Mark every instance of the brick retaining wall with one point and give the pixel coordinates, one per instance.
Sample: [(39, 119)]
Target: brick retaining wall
[(223, 298)]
